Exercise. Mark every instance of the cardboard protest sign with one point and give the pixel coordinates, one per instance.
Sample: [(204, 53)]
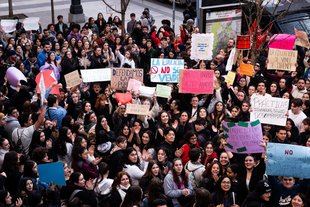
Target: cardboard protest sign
[(134, 85), (146, 91), (231, 59), (302, 39), (243, 42), (288, 160), (123, 98), (196, 81), (52, 173), (246, 69), (282, 41), (282, 60), (243, 137), (166, 70), (163, 91), (31, 23), (73, 79), (8, 25), (269, 110), (202, 46), (121, 76), (230, 78), (96, 75), (137, 109)]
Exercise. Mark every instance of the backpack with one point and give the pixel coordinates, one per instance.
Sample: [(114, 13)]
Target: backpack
[(192, 176)]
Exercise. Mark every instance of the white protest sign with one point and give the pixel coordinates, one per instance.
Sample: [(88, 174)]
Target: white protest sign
[(230, 60), (269, 110), (31, 23), (146, 91), (202, 46), (137, 109), (96, 75), (8, 25), (166, 70), (163, 91)]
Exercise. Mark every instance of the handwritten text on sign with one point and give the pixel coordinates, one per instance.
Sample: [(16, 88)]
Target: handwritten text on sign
[(166, 70), (196, 81), (282, 158), (269, 110), (282, 59), (137, 109), (121, 76), (243, 137)]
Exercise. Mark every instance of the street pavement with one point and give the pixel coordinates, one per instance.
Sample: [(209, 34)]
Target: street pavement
[(42, 9)]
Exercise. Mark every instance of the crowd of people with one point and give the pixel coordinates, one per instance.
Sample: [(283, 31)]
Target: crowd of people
[(175, 156)]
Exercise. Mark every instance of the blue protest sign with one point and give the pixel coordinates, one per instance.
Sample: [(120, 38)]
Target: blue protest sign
[(288, 160), (52, 173)]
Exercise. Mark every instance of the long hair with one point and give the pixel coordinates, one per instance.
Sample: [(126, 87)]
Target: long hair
[(61, 141), (148, 172), (133, 197), (207, 173), (127, 153), (10, 162), (184, 178), (117, 179)]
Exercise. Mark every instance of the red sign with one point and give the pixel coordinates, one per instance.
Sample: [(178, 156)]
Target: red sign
[(243, 42)]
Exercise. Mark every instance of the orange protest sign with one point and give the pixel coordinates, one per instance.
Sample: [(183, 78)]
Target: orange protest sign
[(246, 69)]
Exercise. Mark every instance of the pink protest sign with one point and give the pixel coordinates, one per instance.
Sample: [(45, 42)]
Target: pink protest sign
[(134, 85), (282, 41), (243, 137), (196, 81)]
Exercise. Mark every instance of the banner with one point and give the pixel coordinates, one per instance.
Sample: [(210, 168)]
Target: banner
[(166, 70), (196, 81), (288, 160), (134, 85), (147, 91), (121, 76), (246, 69), (8, 25), (224, 25), (269, 110), (282, 59), (230, 78), (163, 91), (231, 59), (137, 109), (52, 173), (243, 42), (31, 23), (282, 41), (243, 137), (202, 45), (96, 75), (73, 79)]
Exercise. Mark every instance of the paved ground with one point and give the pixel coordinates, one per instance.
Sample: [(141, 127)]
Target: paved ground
[(42, 9)]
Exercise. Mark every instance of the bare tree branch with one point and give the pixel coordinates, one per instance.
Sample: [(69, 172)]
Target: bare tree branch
[(108, 5)]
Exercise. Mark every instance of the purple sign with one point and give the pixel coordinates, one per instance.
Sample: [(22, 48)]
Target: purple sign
[(243, 137)]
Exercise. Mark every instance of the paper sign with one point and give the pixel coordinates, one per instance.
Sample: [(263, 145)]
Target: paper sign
[(282, 60), (121, 76), (302, 38), (202, 46), (288, 160), (96, 75), (8, 25), (52, 173), (147, 91), (196, 81), (230, 78), (166, 70), (31, 23), (231, 59), (269, 110), (282, 41), (243, 42), (134, 85), (246, 69), (163, 91), (73, 79), (123, 98), (243, 137), (137, 109)]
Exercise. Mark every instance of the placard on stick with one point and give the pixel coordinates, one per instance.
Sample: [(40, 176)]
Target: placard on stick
[(243, 42), (73, 79), (246, 69)]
